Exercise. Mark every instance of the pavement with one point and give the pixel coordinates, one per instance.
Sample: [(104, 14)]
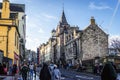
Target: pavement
[(8, 77), (66, 75), (18, 77)]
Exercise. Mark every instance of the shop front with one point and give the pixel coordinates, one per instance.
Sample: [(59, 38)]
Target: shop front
[(16, 58)]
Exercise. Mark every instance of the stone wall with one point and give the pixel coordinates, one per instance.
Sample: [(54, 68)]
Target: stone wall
[(94, 42)]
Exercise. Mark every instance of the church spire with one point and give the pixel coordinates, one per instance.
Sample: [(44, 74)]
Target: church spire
[(63, 18)]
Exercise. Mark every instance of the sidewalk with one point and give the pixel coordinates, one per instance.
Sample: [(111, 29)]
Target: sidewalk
[(7, 77)]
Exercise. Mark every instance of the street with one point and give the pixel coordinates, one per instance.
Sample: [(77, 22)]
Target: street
[(73, 75), (66, 75)]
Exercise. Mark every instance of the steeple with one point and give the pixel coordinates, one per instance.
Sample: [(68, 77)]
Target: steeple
[(63, 20)]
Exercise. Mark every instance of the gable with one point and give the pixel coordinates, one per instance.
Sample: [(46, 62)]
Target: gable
[(94, 28)]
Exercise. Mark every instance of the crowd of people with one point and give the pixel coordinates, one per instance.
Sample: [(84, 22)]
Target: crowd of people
[(50, 73), (11, 70), (107, 71)]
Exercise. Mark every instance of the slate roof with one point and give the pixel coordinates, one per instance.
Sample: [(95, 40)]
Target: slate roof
[(16, 7)]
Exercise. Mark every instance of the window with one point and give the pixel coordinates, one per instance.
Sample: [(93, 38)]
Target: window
[(15, 38)]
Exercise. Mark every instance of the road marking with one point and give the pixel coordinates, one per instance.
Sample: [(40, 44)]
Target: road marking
[(84, 77)]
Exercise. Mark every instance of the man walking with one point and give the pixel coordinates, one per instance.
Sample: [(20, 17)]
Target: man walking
[(31, 70), (24, 71)]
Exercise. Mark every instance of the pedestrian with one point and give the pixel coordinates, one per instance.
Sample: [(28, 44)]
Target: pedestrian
[(5, 69), (31, 70), (10, 70), (57, 74), (1, 69), (14, 69), (35, 66), (108, 72), (45, 73), (96, 69), (113, 64), (100, 67), (24, 70)]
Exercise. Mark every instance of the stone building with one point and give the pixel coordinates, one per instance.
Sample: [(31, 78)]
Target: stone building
[(71, 45), (42, 53), (94, 42), (15, 12), (30, 56), (9, 34)]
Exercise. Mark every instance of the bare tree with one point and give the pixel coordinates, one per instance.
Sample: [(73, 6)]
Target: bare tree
[(116, 43)]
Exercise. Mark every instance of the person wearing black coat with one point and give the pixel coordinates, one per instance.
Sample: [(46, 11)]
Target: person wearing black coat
[(24, 70), (1, 69), (108, 72), (45, 73)]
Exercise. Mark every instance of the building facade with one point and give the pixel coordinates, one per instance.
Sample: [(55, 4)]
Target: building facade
[(113, 51), (30, 56), (72, 45), (9, 35), (16, 38)]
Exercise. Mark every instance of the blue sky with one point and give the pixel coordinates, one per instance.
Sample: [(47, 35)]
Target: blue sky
[(44, 15)]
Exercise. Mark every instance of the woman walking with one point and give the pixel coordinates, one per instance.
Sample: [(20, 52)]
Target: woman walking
[(44, 73), (108, 72)]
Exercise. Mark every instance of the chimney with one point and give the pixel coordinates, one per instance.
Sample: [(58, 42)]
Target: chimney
[(92, 20), (5, 13)]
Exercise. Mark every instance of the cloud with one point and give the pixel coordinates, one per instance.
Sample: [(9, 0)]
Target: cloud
[(41, 30), (48, 16), (33, 43), (33, 21), (28, 0), (92, 5)]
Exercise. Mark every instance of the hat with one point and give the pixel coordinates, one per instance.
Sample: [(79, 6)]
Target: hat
[(55, 66)]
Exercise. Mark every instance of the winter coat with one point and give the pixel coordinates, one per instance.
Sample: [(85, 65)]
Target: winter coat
[(1, 69), (108, 72), (45, 73), (14, 69), (57, 74)]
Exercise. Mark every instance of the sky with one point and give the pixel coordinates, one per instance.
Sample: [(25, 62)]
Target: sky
[(44, 15)]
